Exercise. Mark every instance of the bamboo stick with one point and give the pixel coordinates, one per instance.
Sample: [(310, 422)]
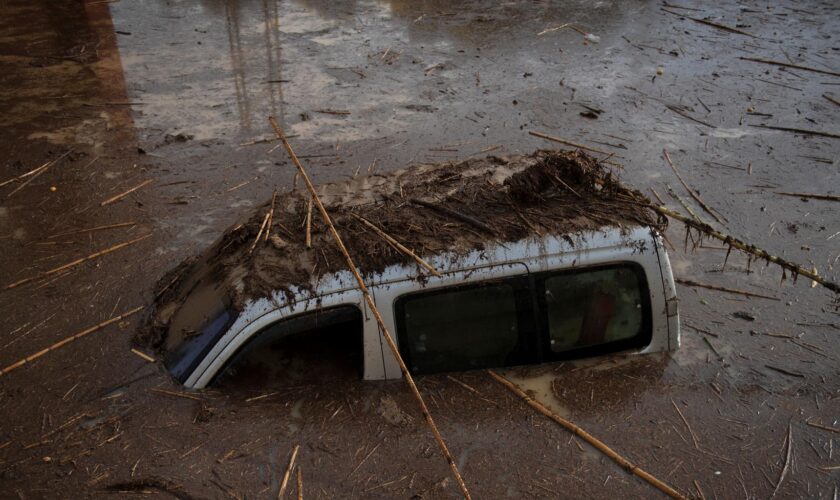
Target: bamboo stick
[(34, 174), (299, 483), (285, 483), (260, 232), (67, 340), (125, 193), (799, 131), (399, 246), (826, 197), (600, 446), (568, 143), (369, 299), (744, 247), (724, 289), (786, 65), (270, 216), (75, 262), (693, 193), (92, 229), (712, 24), (309, 224)]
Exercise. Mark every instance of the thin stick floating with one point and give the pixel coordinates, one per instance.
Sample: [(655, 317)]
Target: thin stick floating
[(285, 483), (724, 289), (692, 192), (568, 143), (600, 446), (744, 247), (826, 197), (786, 65), (125, 193), (800, 131), (369, 299), (76, 262), (67, 340)]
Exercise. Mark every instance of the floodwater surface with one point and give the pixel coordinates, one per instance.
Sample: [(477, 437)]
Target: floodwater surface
[(172, 98)]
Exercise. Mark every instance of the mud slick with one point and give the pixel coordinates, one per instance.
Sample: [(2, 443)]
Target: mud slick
[(431, 209)]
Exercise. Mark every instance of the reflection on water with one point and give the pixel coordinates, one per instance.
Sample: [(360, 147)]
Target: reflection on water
[(214, 69), (54, 59)]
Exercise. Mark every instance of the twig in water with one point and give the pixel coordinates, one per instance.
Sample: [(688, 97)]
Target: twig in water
[(285, 482), (787, 460), (67, 340), (694, 194), (75, 262), (690, 430), (126, 193), (143, 355), (799, 131), (33, 174), (712, 24), (827, 197), (724, 289), (688, 116), (786, 65), (568, 143), (750, 249), (299, 483), (623, 462), (369, 299), (823, 427), (92, 229)]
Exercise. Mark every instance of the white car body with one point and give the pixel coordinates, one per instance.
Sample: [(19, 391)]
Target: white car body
[(639, 245)]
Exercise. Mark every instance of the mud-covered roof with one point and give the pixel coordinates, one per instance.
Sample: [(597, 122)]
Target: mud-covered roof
[(429, 208)]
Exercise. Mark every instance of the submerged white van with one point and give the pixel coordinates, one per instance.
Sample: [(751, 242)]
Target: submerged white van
[(538, 299)]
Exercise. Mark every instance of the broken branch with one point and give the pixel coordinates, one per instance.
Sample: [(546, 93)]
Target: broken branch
[(568, 143), (724, 289), (693, 193), (369, 299), (786, 65), (75, 262), (67, 340), (827, 197), (712, 24), (285, 482), (126, 193), (600, 446), (744, 247), (309, 224), (799, 131)]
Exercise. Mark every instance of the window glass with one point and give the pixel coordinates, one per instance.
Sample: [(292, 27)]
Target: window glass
[(319, 347), (590, 308), (460, 328)]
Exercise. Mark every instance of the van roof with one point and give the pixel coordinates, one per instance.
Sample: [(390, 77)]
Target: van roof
[(431, 208)]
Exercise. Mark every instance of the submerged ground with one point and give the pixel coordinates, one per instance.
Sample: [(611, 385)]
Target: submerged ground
[(179, 93)]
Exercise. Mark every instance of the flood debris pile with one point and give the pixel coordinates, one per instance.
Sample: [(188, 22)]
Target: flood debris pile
[(431, 209)]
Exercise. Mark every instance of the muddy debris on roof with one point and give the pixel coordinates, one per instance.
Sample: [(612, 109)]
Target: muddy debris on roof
[(430, 208)]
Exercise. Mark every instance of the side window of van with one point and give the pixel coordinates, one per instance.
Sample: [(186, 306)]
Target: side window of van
[(467, 327), (525, 319), (590, 308)]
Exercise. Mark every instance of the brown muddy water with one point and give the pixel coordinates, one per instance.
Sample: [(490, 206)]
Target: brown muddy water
[(179, 93)]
